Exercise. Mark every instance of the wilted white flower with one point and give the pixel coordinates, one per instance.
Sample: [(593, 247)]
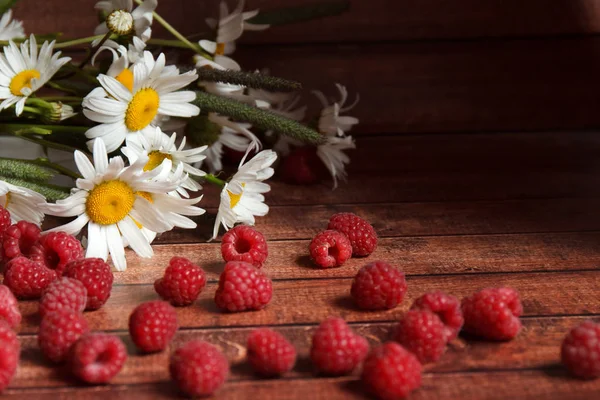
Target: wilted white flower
[(22, 203), (331, 122), (10, 30), (122, 19)]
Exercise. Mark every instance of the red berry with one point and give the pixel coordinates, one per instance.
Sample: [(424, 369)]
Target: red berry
[(361, 234), (336, 350), (63, 294), (9, 307), (330, 249), (182, 283), (301, 167), (18, 239), (378, 286), (493, 313), (58, 331), (96, 276), (580, 351), (97, 357), (244, 243), (152, 325), (446, 307), (5, 221), (391, 372), (9, 354), (243, 287), (56, 250), (422, 333), (198, 368), (270, 353), (26, 278)]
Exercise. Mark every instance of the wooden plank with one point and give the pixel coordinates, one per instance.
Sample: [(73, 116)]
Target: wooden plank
[(452, 86), (536, 347), (550, 384), (375, 20), (328, 297)]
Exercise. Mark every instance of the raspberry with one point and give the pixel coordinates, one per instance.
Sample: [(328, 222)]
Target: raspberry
[(18, 240), (243, 287), (152, 325), (63, 294), (26, 278), (9, 354), (182, 282), (580, 351), (96, 276), (9, 307), (378, 286), (244, 243), (422, 333), (361, 234), (336, 350), (198, 368), (5, 221), (97, 357), (58, 331), (330, 249), (269, 353), (301, 167), (56, 250), (391, 372), (446, 307), (493, 313)]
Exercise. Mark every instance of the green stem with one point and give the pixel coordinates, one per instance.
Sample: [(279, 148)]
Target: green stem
[(210, 178), (45, 143), (44, 162), (53, 128), (64, 99), (60, 87), (179, 45), (75, 42), (36, 101), (33, 110)]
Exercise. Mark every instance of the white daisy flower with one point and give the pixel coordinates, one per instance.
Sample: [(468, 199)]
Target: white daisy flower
[(333, 156), (157, 147), (124, 113), (111, 200), (122, 19), (10, 30), (330, 122), (242, 197), (24, 71), (22, 203)]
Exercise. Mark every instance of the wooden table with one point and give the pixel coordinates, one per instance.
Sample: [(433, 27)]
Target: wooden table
[(455, 212)]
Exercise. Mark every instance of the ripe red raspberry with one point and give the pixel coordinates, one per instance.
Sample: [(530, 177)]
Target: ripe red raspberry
[(9, 307), (58, 331), (243, 287), (269, 353), (5, 221), (152, 325), (18, 240), (26, 278), (9, 354), (302, 166), (198, 368), (446, 307), (378, 286), (182, 283), (97, 357), (336, 349), (244, 243), (63, 294), (361, 234), (56, 250), (96, 276), (580, 351), (391, 372), (422, 333), (330, 249), (493, 313)]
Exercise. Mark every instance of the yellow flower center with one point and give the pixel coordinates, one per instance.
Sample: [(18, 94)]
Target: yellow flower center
[(155, 158), (109, 202), (142, 109), (126, 78), (23, 80), (146, 195), (235, 198), (220, 50)]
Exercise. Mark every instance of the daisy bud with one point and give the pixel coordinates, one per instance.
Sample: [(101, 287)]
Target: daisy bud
[(120, 22), (58, 112)]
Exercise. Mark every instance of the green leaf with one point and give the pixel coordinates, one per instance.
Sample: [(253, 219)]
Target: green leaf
[(249, 79), (24, 170), (259, 118), (5, 5), (292, 15), (51, 192)]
